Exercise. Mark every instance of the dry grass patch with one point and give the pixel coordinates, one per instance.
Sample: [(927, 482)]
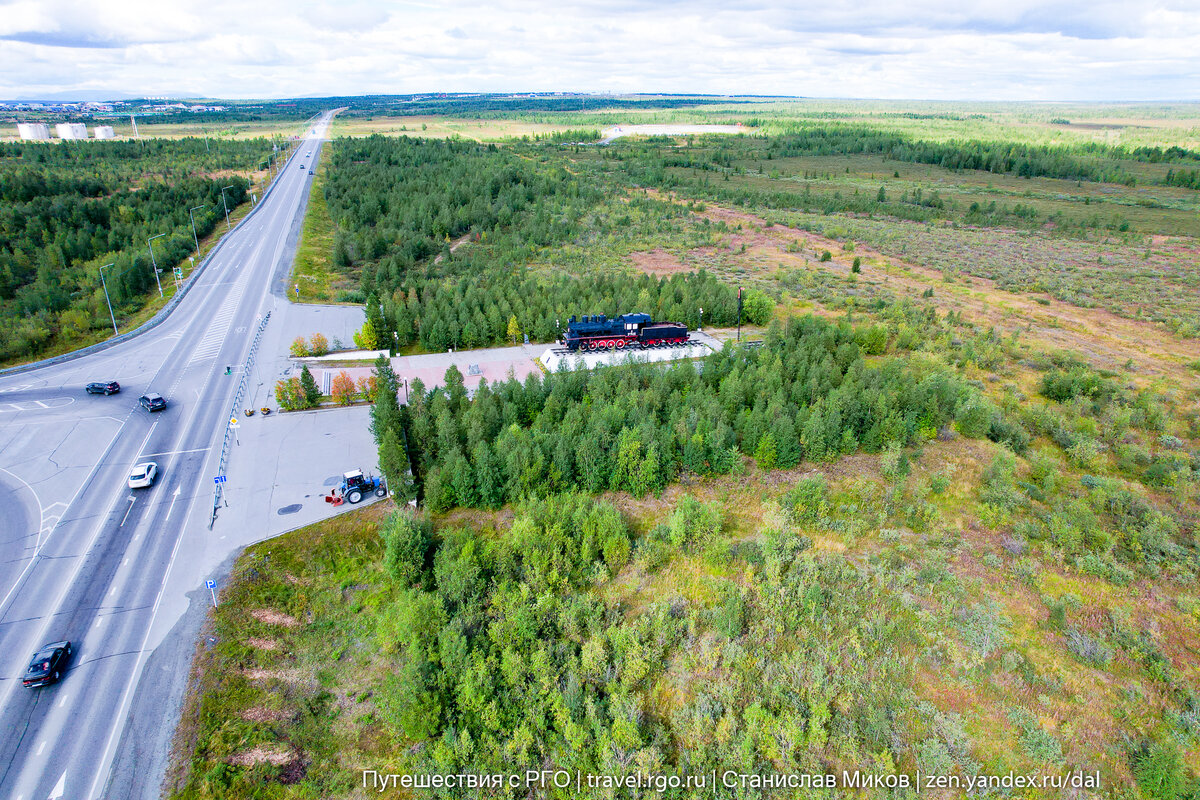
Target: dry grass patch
[(276, 755), (263, 644), (263, 715), (272, 617)]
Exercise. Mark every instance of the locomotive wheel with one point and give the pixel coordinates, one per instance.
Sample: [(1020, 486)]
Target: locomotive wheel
[(620, 344)]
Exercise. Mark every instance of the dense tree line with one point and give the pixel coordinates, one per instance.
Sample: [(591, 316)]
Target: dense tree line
[(1088, 162), (807, 393), (65, 210), (397, 203), (489, 106)]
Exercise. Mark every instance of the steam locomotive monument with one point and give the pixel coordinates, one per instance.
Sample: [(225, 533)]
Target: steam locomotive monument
[(598, 332)]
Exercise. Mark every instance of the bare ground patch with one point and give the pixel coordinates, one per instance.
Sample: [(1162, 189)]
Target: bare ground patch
[(1105, 338), (277, 755), (659, 262), (262, 714), (262, 644), (272, 617), (285, 675)]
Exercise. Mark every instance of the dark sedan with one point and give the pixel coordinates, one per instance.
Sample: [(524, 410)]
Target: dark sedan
[(47, 664), (103, 387)]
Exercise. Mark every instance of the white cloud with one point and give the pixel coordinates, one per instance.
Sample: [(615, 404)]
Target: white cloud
[(937, 49)]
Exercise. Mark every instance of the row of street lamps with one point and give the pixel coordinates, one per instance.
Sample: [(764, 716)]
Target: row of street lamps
[(154, 261), (196, 239)]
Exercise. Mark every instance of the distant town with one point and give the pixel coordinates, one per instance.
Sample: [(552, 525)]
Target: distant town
[(37, 126)]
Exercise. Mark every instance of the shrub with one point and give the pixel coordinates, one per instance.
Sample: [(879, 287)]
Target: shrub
[(406, 539), (757, 307), (974, 419), (693, 522), (1159, 770), (342, 388), (368, 387), (873, 340), (1089, 650), (826, 256), (1006, 431), (730, 618), (367, 338), (289, 394), (1063, 385), (318, 345), (856, 267), (299, 348), (1037, 743), (806, 501)]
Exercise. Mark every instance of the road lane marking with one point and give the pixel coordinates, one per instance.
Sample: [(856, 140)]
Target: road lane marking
[(178, 452), (119, 719), (6, 691), (132, 500), (63, 702), (98, 621), (178, 490), (59, 789), (41, 747)]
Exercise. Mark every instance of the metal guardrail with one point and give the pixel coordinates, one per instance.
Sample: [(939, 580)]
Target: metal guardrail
[(230, 434)]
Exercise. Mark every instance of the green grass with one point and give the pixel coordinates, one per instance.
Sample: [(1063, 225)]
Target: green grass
[(313, 271), (307, 700)]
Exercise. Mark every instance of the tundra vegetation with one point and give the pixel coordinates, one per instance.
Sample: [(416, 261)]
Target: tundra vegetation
[(943, 518)]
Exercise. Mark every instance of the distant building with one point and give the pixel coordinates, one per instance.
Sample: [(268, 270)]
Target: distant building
[(71, 130), (104, 131), (33, 130)]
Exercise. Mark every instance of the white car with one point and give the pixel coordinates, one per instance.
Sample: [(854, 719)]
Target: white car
[(143, 475)]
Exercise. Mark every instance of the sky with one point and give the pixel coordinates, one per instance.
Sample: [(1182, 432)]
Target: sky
[(1076, 50)]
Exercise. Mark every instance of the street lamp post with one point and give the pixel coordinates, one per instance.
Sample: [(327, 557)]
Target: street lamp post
[(405, 381), (193, 219), (154, 261), (110, 311), (700, 327), (223, 203)]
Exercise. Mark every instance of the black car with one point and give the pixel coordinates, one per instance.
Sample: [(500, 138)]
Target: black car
[(103, 387), (152, 402), (47, 664)]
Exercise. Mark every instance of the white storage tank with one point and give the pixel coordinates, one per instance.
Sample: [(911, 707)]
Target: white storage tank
[(71, 130), (104, 132), (33, 130)]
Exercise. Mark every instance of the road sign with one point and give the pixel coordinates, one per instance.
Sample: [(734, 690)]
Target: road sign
[(219, 479), (210, 584), (233, 422)]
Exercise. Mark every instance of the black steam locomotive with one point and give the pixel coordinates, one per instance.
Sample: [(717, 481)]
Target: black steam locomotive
[(598, 332)]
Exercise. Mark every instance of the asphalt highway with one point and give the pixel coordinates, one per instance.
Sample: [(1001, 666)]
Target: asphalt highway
[(83, 557)]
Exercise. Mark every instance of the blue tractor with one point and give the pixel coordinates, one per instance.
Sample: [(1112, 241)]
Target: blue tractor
[(355, 486)]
